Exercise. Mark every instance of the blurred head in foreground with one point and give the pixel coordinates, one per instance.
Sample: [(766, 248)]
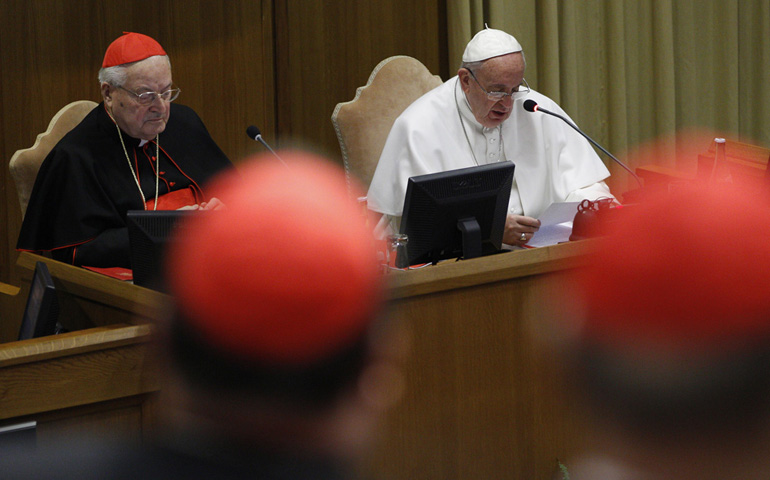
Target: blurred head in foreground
[(277, 340), (674, 345)]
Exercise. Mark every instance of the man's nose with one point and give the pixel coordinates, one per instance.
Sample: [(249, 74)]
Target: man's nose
[(158, 104)]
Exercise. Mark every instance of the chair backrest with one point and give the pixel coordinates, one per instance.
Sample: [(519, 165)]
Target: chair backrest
[(25, 163), (363, 124)]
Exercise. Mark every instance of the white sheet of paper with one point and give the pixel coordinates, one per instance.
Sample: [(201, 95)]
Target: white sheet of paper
[(555, 224)]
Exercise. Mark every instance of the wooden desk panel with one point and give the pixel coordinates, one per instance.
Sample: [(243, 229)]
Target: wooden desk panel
[(484, 397), (91, 381), (72, 369)]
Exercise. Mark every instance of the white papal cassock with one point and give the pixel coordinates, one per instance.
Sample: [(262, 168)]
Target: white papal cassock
[(553, 162)]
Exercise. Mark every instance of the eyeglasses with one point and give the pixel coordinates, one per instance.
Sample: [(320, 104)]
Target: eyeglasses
[(520, 91), (147, 98)]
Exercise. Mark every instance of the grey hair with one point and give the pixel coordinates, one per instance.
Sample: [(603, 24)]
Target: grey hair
[(116, 76), (474, 66)]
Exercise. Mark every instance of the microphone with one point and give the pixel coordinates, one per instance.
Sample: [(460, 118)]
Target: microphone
[(532, 106), (254, 134)]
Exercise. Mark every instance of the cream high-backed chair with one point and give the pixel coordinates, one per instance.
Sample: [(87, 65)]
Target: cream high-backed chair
[(363, 124), (25, 163)]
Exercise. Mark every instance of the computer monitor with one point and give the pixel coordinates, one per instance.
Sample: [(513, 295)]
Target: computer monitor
[(149, 234), (42, 311), (456, 213)]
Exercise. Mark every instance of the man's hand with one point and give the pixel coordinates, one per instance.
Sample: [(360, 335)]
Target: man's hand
[(519, 229), (213, 204)]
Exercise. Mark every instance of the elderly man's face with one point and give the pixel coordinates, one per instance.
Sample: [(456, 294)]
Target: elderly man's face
[(498, 74), (141, 121)]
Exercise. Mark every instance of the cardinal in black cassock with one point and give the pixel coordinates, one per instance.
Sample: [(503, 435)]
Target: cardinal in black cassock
[(99, 170)]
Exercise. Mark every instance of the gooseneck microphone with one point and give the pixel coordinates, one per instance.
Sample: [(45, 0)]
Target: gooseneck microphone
[(532, 106), (254, 134)]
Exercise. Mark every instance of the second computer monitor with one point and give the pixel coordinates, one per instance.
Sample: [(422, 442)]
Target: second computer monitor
[(456, 213)]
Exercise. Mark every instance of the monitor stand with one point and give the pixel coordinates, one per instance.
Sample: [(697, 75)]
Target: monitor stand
[(471, 232)]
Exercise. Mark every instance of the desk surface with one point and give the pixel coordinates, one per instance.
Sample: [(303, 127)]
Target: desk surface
[(450, 275)]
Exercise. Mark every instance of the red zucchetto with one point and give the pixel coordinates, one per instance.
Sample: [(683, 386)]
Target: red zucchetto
[(686, 272), (287, 273), (131, 47)]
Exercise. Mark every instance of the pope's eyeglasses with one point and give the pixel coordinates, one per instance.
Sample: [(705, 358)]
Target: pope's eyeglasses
[(520, 91)]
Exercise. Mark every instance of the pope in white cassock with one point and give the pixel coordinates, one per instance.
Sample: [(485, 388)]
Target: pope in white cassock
[(477, 117)]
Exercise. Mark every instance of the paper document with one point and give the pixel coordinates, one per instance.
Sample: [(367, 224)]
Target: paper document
[(555, 224)]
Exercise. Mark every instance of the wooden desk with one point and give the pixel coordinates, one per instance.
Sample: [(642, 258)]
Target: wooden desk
[(484, 398), (95, 381), (742, 162), (88, 299)]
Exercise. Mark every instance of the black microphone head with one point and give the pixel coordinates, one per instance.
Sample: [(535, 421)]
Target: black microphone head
[(253, 132), (530, 105)]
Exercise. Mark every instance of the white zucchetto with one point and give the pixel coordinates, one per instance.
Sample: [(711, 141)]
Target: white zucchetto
[(490, 43)]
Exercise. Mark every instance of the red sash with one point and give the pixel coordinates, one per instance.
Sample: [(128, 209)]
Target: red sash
[(174, 200)]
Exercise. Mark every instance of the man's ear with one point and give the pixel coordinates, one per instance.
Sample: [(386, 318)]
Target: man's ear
[(107, 91), (465, 78)]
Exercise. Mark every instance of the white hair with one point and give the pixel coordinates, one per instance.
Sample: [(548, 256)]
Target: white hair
[(475, 66), (116, 76)]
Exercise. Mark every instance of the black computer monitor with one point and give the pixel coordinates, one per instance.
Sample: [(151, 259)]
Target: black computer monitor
[(149, 234), (456, 213), (42, 311)]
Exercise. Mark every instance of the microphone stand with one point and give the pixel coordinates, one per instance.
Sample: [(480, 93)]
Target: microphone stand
[(254, 133), (566, 120)]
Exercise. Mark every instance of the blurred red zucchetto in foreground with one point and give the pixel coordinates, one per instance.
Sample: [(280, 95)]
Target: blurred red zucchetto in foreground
[(286, 274), (131, 47), (687, 271)]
